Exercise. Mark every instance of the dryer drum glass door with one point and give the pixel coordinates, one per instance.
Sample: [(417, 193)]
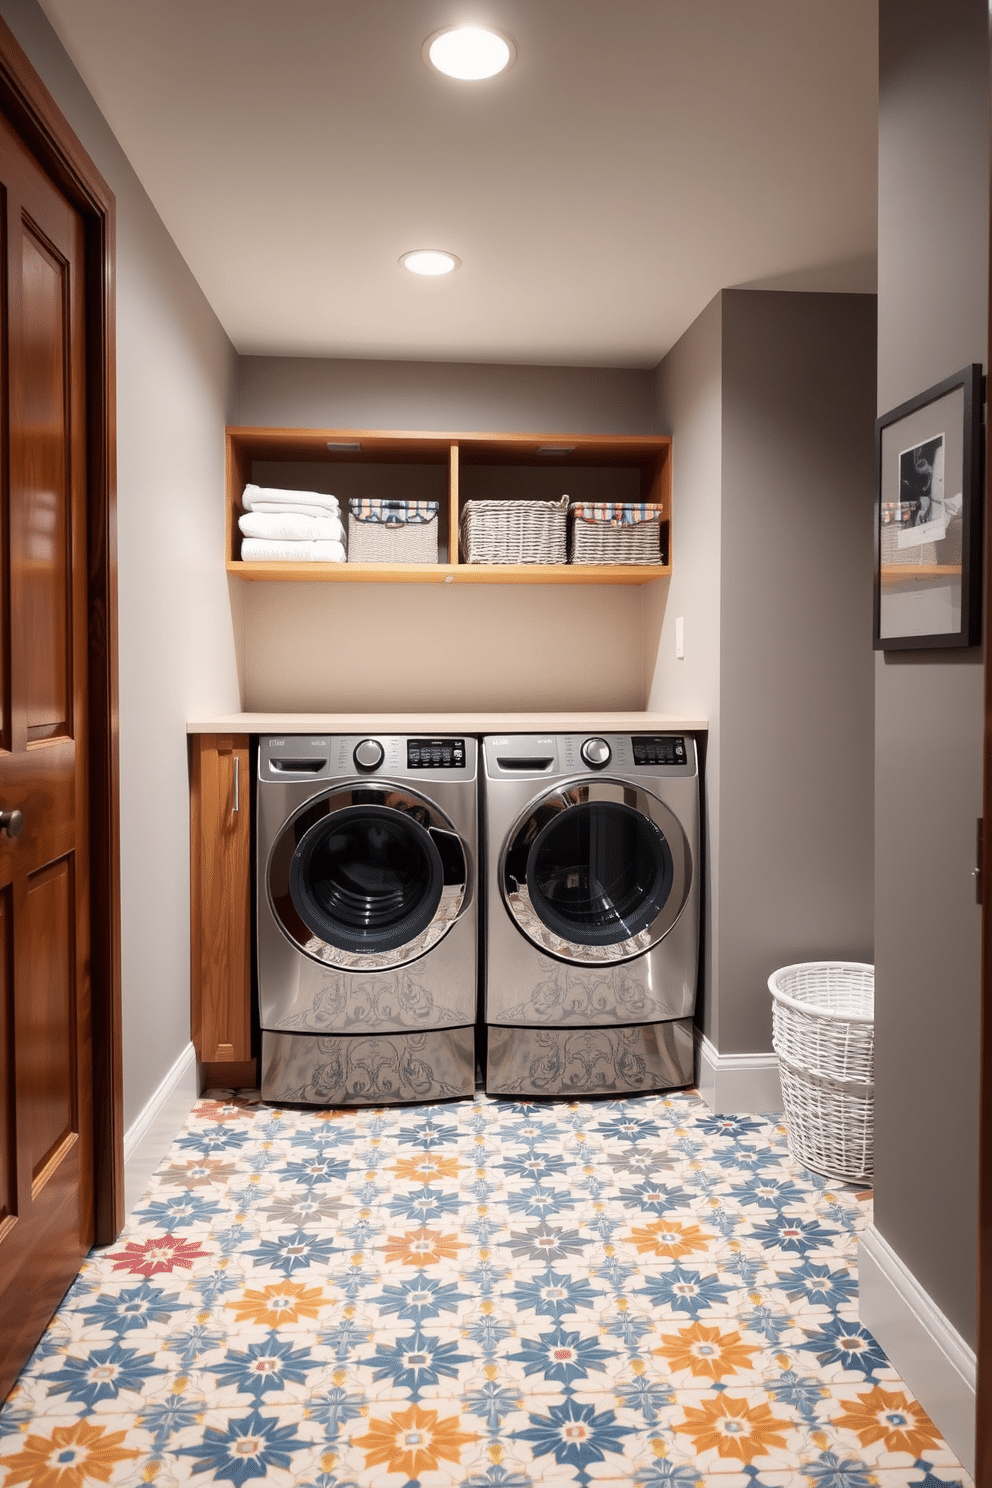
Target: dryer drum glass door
[(367, 878), (599, 873), (596, 872)]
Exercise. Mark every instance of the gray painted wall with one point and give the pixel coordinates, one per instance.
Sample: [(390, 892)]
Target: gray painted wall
[(796, 704), (355, 647), (689, 403), (176, 381), (770, 399), (318, 393), (933, 238)]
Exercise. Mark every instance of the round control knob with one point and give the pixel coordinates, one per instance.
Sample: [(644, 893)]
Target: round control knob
[(369, 754), (596, 753)]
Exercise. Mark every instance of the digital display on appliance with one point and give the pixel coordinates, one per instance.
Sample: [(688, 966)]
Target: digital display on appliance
[(659, 749), (435, 754)]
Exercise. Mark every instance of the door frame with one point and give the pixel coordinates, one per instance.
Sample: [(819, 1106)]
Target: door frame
[(26, 103)]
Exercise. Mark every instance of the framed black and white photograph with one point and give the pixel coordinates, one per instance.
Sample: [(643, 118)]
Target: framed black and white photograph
[(928, 514)]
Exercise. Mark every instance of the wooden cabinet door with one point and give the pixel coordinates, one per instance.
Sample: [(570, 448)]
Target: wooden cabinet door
[(220, 890), (46, 1150)]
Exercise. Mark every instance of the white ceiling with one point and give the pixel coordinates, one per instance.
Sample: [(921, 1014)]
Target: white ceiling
[(638, 156)]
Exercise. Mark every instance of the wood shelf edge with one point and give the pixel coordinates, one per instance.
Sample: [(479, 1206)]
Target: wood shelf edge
[(457, 573)]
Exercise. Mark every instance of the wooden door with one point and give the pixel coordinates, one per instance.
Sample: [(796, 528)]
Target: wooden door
[(46, 1150)]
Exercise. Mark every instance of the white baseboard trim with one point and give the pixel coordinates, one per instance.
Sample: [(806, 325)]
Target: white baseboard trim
[(736, 1084), (927, 1351), (153, 1130)]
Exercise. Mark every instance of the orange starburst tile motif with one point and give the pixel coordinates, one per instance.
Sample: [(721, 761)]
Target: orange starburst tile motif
[(282, 1302), (197, 1172), (234, 1108), (734, 1428), (73, 1456), (423, 1247), (160, 1253), (706, 1351), (427, 1167), (670, 1237), (890, 1417), (413, 1441)]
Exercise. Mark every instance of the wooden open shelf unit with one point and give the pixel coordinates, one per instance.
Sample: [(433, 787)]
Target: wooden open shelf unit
[(451, 469)]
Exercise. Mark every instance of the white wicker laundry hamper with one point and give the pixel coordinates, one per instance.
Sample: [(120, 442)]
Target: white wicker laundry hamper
[(823, 1031)]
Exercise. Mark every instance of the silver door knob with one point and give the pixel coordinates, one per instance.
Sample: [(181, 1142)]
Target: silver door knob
[(11, 822), (369, 754), (596, 753)]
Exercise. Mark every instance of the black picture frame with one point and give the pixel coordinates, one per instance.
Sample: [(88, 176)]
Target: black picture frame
[(928, 518)]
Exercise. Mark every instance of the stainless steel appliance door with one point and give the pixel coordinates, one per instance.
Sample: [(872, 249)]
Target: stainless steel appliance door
[(366, 877), (595, 871)]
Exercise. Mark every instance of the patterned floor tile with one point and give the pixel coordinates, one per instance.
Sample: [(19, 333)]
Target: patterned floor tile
[(488, 1294)]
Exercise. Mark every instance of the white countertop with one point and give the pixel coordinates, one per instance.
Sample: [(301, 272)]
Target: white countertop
[(445, 723)]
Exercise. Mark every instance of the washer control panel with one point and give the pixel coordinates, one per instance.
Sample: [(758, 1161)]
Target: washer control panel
[(435, 754), (321, 757), (659, 749)]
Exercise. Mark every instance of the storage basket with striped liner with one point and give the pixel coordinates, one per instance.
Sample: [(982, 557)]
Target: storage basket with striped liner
[(823, 1031), (392, 531), (514, 531), (615, 532)]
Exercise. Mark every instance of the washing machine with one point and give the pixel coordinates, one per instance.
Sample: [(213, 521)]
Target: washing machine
[(367, 917), (592, 912)]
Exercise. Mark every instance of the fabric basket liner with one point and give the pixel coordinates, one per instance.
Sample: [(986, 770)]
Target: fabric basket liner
[(616, 513), (393, 513)]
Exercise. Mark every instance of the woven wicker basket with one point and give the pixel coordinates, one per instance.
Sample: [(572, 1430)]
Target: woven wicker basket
[(379, 532), (614, 534), (514, 531), (823, 1031)]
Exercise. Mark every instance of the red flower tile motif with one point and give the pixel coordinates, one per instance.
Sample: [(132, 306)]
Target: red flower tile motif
[(160, 1253)]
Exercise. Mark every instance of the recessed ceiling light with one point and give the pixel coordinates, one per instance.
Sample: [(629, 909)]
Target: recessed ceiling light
[(469, 52), (430, 261)]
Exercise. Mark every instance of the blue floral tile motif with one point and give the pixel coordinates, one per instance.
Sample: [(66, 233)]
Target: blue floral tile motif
[(822, 1285), (102, 1374), (271, 1364), (791, 1232), (246, 1449), (416, 1361), (575, 1434), (133, 1309), (562, 1355), (298, 1251), (847, 1344), (685, 1290), (555, 1293), (629, 1293), (421, 1297)]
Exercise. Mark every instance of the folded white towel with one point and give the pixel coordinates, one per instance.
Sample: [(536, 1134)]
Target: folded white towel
[(300, 509), (273, 498), (262, 550), (290, 526)]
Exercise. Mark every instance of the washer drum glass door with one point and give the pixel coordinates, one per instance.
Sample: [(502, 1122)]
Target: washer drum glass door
[(596, 872), (367, 877)]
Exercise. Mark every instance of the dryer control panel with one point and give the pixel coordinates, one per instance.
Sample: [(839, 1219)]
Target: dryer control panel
[(536, 756), (659, 749)]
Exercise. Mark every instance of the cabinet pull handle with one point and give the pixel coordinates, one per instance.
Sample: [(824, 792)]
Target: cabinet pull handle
[(237, 783)]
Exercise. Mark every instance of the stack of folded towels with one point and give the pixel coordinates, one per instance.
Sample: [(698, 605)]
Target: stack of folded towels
[(294, 526)]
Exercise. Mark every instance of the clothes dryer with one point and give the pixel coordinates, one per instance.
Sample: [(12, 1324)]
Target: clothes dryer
[(592, 912), (367, 917)]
